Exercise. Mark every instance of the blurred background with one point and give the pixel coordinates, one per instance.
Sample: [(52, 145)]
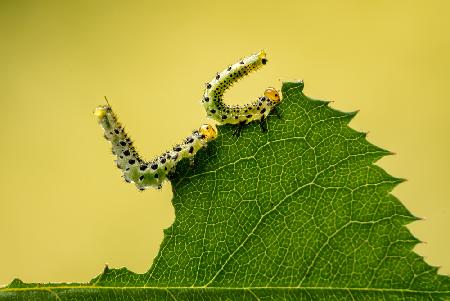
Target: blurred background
[(64, 209)]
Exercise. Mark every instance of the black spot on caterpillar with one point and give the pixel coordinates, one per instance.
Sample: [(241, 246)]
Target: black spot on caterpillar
[(136, 169), (257, 110)]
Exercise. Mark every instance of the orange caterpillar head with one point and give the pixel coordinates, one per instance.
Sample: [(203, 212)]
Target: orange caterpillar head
[(273, 95), (208, 132)]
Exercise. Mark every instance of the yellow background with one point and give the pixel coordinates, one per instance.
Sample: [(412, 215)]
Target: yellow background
[(64, 209)]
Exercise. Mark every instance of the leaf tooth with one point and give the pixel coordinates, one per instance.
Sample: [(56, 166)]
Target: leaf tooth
[(350, 115), (400, 180)]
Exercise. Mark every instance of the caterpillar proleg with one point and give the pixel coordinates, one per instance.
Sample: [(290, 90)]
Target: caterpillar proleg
[(148, 173)]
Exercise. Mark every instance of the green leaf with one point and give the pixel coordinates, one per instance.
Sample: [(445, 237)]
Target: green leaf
[(299, 212)]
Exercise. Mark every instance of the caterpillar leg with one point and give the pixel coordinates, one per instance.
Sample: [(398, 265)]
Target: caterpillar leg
[(276, 112), (239, 128), (263, 124)]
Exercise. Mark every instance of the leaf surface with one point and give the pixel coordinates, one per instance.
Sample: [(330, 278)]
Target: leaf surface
[(299, 212)]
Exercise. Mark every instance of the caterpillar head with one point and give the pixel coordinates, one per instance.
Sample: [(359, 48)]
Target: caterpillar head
[(208, 132), (273, 95), (101, 111)]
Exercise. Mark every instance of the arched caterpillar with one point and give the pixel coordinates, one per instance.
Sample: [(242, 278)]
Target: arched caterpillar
[(257, 110), (151, 173)]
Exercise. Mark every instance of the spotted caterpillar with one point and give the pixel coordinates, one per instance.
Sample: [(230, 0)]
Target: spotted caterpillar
[(152, 173), (257, 110)]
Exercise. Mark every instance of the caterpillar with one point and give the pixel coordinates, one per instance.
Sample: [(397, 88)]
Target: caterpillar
[(257, 110), (152, 173)]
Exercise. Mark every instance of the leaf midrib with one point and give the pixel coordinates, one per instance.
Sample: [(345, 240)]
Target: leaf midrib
[(359, 289)]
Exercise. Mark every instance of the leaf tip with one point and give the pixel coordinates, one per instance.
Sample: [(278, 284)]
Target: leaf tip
[(420, 218), (401, 180)]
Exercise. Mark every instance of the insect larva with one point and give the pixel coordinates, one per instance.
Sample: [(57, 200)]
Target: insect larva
[(152, 173), (257, 110)]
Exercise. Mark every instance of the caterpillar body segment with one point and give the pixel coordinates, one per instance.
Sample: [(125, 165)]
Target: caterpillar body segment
[(145, 174), (256, 110)]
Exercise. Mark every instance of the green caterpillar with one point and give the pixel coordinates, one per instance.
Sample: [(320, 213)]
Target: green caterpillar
[(151, 173), (257, 110)]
